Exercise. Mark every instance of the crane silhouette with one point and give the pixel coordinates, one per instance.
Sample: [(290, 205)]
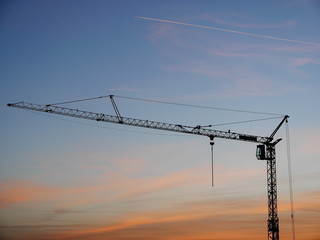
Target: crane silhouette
[(265, 148)]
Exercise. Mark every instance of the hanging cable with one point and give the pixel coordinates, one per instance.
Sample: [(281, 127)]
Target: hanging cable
[(78, 100), (179, 104), (290, 181), (246, 121), (165, 102), (198, 106), (212, 173)]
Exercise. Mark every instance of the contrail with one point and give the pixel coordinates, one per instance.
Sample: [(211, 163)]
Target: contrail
[(230, 31)]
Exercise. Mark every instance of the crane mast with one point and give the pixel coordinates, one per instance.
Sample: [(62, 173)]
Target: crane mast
[(265, 149)]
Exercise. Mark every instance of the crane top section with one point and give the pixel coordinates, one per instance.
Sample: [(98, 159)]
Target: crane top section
[(101, 117)]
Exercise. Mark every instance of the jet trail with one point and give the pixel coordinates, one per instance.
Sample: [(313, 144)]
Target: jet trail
[(230, 31)]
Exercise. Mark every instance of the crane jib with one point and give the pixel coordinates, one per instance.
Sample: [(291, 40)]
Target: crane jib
[(101, 117)]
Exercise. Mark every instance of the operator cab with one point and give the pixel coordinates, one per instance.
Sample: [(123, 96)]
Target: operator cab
[(261, 152)]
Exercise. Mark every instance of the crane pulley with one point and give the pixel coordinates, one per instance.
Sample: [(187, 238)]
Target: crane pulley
[(265, 149)]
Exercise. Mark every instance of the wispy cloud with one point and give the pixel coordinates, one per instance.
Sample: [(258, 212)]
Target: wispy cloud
[(194, 218), (297, 62), (135, 187), (111, 187), (225, 53), (65, 211), (230, 31), (196, 68), (220, 216), (184, 215), (17, 191), (123, 89), (216, 214), (232, 82), (236, 19), (130, 164), (311, 143), (118, 185)]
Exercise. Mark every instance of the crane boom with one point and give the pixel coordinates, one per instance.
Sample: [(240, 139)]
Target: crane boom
[(101, 117), (265, 149)]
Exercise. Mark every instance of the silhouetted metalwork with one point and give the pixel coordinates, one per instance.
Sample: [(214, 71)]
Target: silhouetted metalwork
[(267, 152), (265, 149), (101, 117)]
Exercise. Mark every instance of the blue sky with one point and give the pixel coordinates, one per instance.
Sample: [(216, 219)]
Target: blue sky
[(75, 179)]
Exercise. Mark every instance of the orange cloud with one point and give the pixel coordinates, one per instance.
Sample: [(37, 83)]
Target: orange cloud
[(130, 164), (220, 214), (117, 185), (224, 218), (17, 191)]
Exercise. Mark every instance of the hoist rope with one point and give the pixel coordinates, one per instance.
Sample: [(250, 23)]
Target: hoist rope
[(212, 163), (290, 181)]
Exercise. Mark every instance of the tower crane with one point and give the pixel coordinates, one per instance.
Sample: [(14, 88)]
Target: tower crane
[(265, 149)]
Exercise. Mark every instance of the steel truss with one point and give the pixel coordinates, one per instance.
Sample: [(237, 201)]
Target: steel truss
[(266, 148)]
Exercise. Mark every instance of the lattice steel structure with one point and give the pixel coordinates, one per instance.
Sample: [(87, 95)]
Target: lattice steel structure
[(273, 220), (265, 149)]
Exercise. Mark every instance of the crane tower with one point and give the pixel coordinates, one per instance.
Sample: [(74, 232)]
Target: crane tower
[(265, 148)]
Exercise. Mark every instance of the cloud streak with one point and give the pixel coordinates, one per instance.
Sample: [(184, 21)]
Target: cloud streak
[(297, 62), (230, 31), (216, 214), (237, 21), (182, 217)]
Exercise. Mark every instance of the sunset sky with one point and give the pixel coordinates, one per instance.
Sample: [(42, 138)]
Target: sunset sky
[(64, 178)]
